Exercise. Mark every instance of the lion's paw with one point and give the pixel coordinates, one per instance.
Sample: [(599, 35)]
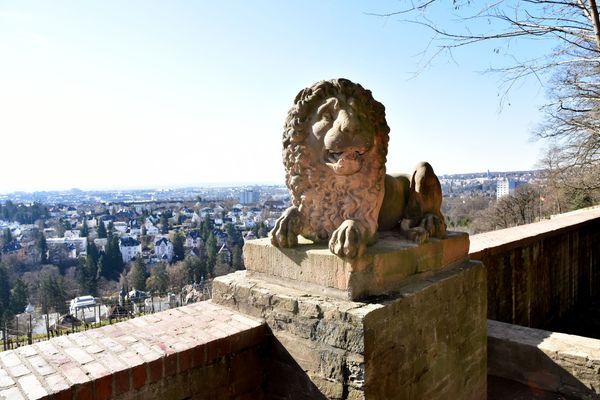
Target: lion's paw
[(287, 228), (418, 235), (349, 239), (434, 225)]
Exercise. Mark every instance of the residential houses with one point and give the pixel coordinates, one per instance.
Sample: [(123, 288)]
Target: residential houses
[(163, 249), (130, 248)]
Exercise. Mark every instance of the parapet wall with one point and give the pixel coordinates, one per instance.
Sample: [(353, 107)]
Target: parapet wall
[(200, 351), (537, 272), (545, 361)]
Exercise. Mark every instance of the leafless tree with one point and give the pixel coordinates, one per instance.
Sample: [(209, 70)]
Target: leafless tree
[(571, 69)]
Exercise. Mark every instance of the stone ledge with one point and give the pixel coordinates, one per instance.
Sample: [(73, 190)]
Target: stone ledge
[(494, 242), (544, 360), (385, 266), (201, 350)]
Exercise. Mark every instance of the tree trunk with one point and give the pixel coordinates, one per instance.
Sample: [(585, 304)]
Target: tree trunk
[(596, 22)]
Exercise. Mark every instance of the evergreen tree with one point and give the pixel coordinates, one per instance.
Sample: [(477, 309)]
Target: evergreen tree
[(236, 257), (195, 269), (87, 274), (52, 294), (113, 260), (7, 236), (164, 223), (4, 294), (19, 296), (205, 229), (138, 275), (92, 252), (42, 247), (263, 231), (211, 254), (234, 236), (101, 267), (158, 280), (66, 224), (102, 230), (178, 247), (110, 229), (82, 275), (84, 231)]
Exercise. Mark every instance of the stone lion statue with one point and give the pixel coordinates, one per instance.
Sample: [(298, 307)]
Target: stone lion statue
[(334, 151)]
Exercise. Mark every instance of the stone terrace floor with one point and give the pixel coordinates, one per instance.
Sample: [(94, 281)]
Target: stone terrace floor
[(504, 389)]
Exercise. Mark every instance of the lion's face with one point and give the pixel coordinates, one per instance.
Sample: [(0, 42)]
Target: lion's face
[(341, 134)]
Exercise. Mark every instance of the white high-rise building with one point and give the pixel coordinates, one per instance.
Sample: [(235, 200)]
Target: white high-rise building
[(506, 186), (249, 196)]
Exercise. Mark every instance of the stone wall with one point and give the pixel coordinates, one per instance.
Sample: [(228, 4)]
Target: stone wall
[(200, 351), (537, 272), (428, 341), (545, 361)]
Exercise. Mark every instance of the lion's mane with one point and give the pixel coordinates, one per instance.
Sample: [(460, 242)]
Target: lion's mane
[(323, 198)]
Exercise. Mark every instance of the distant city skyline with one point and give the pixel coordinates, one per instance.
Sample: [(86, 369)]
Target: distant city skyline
[(129, 95), (238, 185)]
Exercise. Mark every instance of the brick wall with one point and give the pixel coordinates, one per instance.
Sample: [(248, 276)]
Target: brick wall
[(200, 351), (537, 272)]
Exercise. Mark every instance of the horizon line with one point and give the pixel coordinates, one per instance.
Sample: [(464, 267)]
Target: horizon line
[(222, 184)]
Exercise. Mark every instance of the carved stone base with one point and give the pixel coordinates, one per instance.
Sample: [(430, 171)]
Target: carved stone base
[(427, 341), (386, 265)]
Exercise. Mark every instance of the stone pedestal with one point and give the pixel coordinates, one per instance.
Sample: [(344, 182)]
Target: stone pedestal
[(423, 336), (385, 266)]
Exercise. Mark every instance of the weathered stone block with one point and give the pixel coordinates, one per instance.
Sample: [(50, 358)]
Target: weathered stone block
[(389, 262), (426, 341)]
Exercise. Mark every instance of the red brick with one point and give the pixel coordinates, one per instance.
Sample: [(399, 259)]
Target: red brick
[(78, 355), (218, 348), (111, 344), (131, 359), (199, 357), (121, 380), (57, 384), (126, 340), (171, 364), (10, 358), (41, 366), (66, 394), (211, 351), (138, 376), (19, 370), (74, 374), (5, 380), (84, 392), (111, 361), (139, 322), (249, 338), (155, 370), (103, 388), (94, 349), (82, 339), (185, 360), (46, 348), (144, 351), (96, 370), (12, 394), (27, 351), (32, 387)]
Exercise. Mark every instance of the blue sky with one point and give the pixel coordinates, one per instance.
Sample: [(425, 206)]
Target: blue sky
[(115, 94)]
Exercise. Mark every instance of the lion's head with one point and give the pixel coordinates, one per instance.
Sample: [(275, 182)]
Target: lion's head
[(335, 145)]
